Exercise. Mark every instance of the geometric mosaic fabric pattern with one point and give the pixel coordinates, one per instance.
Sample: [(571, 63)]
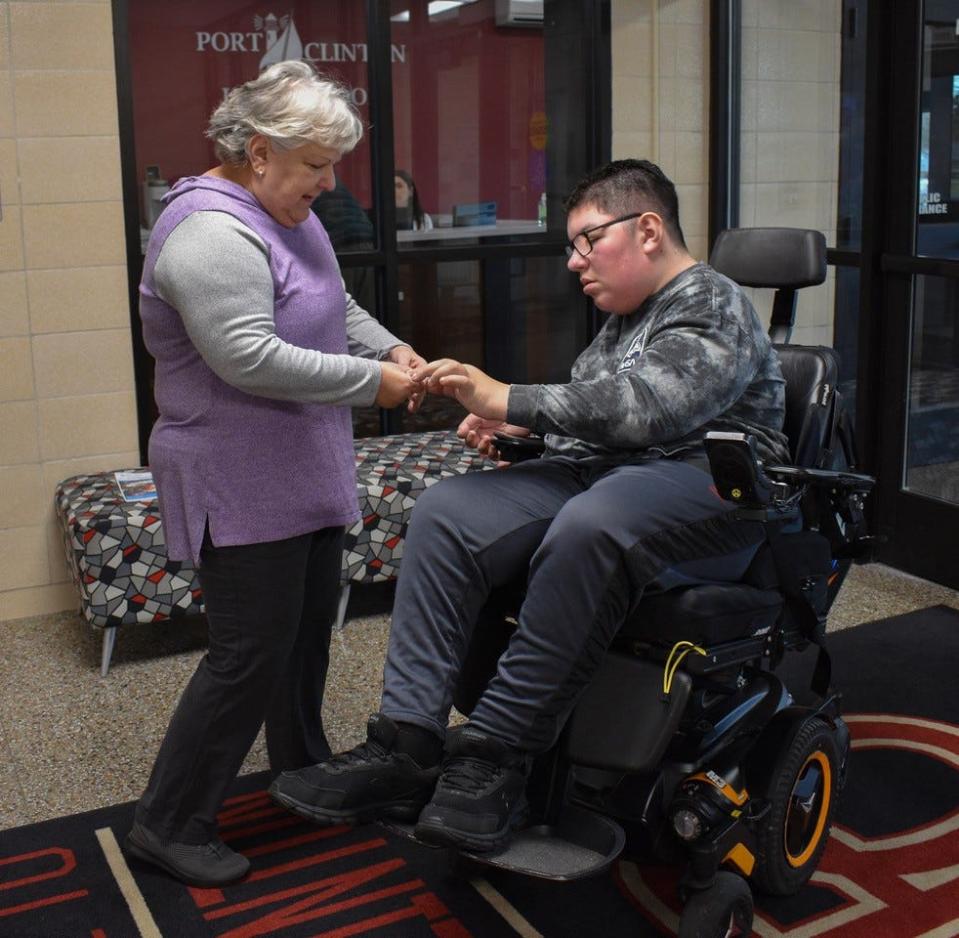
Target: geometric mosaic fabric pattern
[(117, 555), (391, 471)]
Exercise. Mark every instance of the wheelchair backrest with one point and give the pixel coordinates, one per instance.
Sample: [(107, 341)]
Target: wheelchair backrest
[(816, 423), (821, 437), (787, 259), (784, 259), (811, 373)]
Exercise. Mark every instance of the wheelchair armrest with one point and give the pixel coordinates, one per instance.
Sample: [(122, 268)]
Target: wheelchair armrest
[(737, 469), (518, 448), (832, 478)]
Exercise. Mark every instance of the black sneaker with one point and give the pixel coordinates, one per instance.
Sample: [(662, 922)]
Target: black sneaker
[(369, 782), (212, 864), (480, 797)]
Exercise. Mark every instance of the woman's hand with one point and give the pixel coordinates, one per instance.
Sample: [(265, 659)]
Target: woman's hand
[(405, 357), (474, 389), (478, 433), (396, 386)]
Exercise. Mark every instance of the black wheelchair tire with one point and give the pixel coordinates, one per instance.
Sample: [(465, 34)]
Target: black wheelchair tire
[(722, 911), (789, 840)]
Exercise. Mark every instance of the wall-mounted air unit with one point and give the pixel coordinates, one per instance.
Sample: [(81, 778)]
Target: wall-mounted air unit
[(519, 13)]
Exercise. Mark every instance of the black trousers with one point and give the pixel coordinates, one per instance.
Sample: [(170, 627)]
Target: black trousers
[(270, 609)]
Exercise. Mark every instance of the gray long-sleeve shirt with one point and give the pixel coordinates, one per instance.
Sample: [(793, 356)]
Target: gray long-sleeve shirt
[(693, 358), (215, 272)]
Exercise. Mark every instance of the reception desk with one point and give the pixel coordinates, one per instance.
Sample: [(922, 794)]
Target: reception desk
[(502, 229)]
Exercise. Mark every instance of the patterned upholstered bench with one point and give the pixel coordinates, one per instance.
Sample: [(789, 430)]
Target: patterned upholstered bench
[(117, 555)]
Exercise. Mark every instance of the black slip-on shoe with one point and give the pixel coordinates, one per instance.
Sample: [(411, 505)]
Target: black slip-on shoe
[(480, 798), (369, 782), (211, 864)]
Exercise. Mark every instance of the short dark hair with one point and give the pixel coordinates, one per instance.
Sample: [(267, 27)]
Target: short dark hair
[(625, 186)]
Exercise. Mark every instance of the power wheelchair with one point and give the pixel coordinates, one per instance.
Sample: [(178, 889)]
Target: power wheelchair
[(687, 746)]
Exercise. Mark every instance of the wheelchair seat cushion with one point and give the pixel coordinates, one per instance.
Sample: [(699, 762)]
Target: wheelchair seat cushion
[(707, 614)]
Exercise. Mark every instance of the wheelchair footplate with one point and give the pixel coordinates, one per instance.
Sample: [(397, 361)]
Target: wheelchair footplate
[(581, 843)]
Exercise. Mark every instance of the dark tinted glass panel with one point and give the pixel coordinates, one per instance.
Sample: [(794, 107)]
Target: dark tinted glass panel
[(367, 421), (441, 315), (851, 124), (846, 338), (516, 318), (932, 449), (937, 223)]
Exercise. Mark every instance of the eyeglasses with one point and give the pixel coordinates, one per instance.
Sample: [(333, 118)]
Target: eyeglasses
[(581, 243)]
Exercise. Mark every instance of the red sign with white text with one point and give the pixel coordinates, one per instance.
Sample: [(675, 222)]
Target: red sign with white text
[(468, 95)]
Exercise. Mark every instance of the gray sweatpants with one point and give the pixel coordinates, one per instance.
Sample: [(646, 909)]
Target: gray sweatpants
[(592, 538)]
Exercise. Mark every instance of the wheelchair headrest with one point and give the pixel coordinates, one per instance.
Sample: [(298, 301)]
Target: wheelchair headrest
[(811, 373), (771, 257)]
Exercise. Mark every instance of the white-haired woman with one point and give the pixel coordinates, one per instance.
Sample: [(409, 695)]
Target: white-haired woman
[(259, 356)]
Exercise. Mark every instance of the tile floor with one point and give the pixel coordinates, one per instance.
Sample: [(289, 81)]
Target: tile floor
[(72, 741)]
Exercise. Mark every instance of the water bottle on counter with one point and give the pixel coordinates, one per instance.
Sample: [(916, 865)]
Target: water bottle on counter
[(541, 211), (154, 188)]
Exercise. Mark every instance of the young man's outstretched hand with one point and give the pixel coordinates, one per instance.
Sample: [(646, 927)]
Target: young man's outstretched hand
[(485, 398), (474, 389)]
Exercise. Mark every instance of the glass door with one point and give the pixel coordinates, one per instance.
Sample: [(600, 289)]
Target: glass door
[(919, 471)]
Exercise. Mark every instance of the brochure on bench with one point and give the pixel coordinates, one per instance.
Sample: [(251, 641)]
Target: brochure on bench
[(136, 485)]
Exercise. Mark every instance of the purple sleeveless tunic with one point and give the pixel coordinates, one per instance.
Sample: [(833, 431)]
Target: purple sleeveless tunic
[(252, 468)]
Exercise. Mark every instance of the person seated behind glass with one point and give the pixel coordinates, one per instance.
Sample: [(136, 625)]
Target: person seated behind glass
[(409, 212), (621, 500), (350, 229)]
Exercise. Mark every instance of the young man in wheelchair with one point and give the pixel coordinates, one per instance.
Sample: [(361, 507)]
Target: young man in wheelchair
[(621, 500)]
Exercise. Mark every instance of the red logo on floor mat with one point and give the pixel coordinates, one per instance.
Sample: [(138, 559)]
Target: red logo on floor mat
[(31, 869), (278, 897)]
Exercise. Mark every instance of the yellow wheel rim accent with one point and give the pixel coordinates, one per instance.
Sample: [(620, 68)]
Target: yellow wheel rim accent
[(820, 760)]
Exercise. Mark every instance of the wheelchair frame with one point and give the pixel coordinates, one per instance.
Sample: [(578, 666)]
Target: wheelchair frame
[(679, 785)]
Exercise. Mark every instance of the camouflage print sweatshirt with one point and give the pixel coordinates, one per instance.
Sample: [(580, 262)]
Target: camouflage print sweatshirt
[(694, 357)]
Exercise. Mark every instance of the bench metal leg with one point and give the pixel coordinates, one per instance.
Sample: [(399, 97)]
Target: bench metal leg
[(341, 605), (109, 640)]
